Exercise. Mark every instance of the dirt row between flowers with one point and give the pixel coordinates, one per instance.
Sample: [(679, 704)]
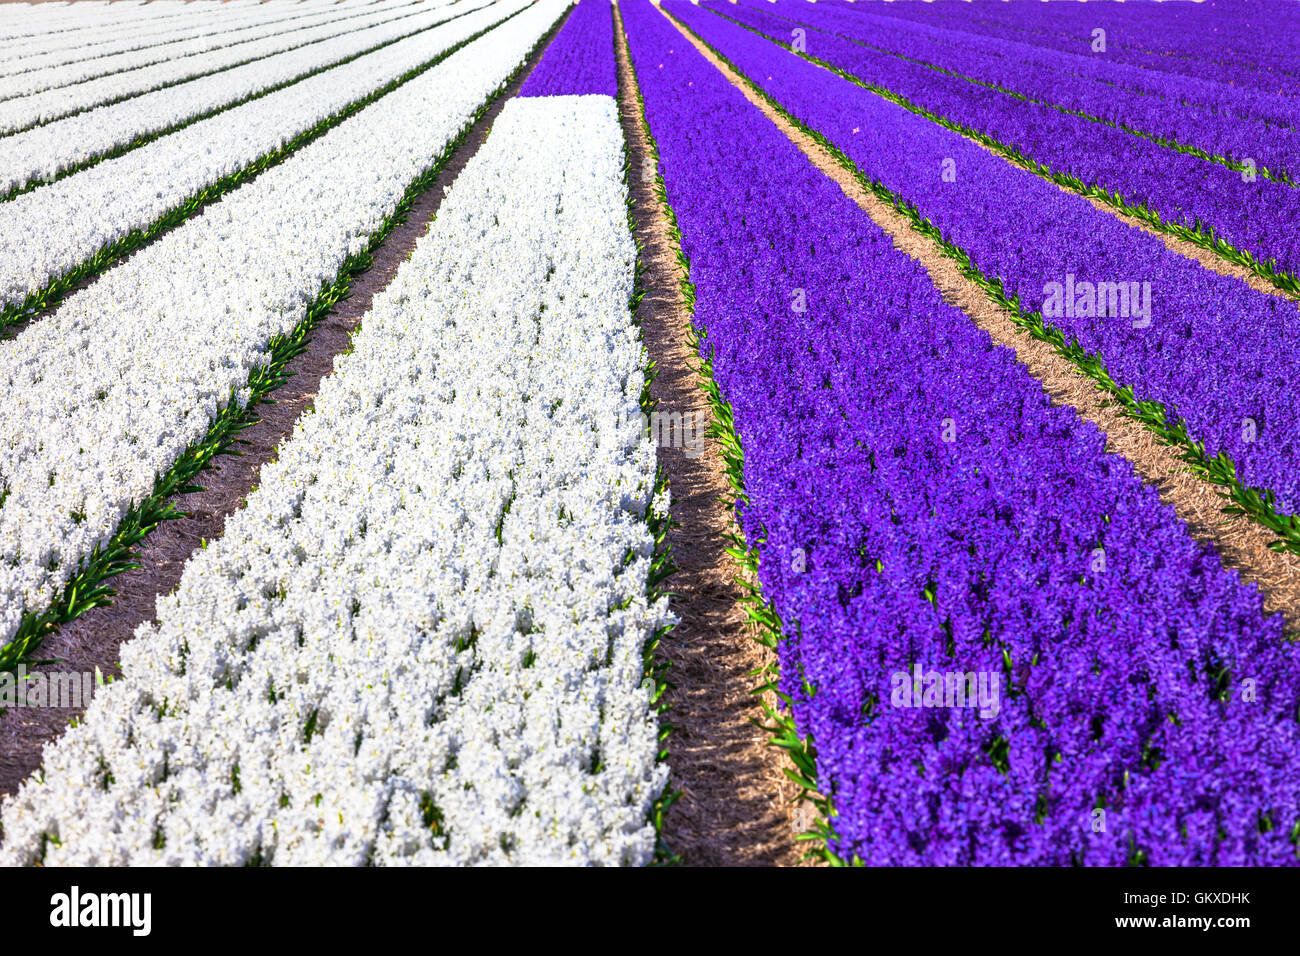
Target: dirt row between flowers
[(94, 638), (737, 807), (1242, 543)]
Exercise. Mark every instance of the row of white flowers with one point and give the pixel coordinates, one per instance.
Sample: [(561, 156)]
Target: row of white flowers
[(40, 153), (39, 104), (53, 229), (104, 395), (162, 39), (23, 20), (421, 642), (33, 18), (203, 20), (61, 34)]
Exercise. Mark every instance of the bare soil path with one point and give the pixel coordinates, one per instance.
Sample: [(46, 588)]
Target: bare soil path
[(737, 806)]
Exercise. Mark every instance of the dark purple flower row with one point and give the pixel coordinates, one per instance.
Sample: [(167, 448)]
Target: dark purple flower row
[(580, 59), (1224, 121), (1258, 217), (1253, 44), (1215, 352), (918, 501)]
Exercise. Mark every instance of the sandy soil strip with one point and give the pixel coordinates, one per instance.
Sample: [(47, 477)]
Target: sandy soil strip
[(1243, 544), (93, 639), (737, 807)]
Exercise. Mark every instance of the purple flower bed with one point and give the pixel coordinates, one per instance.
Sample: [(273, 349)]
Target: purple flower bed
[(1222, 120), (1258, 217), (1252, 44), (580, 59), (884, 546), (1218, 91), (1216, 353)]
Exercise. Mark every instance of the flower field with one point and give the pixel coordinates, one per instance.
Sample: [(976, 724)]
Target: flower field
[(448, 618)]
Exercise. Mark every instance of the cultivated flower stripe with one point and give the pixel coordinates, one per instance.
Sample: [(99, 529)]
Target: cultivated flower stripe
[(421, 641), (1230, 43), (52, 150), (1019, 549), (1241, 124), (149, 355), (38, 18), (1210, 352), (44, 19), (46, 105), (205, 32), (581, 59), (62, 229), (1184, 191), (105, 31)]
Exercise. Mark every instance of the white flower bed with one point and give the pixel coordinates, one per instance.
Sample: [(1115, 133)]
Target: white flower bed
[(162, 39), (51, 230), (47, 95), (112, 37), (475, 697), (44, 151), (107, 392), (23, 21), (61, 20)]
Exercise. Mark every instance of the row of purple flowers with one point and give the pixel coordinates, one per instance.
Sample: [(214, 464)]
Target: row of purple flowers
[(580, 60), (1256, 217), (921, 507), (1253, 44), (1211, 349), (1234, 122)]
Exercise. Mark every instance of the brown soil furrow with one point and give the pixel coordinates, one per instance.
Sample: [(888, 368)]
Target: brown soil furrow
[(1242, 543), (93, 639), (736, 807)]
